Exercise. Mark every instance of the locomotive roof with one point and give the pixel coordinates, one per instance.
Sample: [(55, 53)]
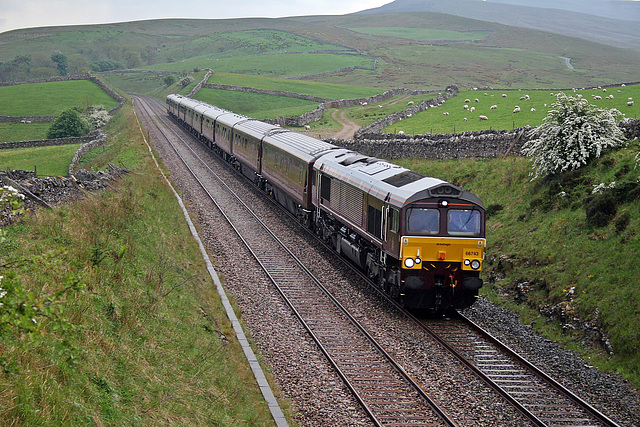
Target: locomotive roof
[(300, 145), (386, 180)]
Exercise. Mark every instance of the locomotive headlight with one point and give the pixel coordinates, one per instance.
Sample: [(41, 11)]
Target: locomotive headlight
[(409, 262), (467, 262), (418, 260), (475, 264)]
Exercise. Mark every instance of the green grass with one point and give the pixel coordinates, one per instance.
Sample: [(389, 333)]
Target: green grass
[(434, 121), (15, 131), (52, 98), (423, 33), (141, 352), (272, 65), (255, 105), (541, 236), (48, 161), (306, 87)]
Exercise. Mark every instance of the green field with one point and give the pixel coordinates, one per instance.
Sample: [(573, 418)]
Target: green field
[(51, 98), (16, 131), (423, 33), (255, 105), (433, 120), (48, 161), (305, 87)]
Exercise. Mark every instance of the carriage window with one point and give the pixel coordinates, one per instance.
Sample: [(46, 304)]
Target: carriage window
[(463, 222), (423, 221)]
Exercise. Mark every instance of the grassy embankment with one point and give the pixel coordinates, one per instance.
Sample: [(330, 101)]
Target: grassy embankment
[(45, 99), (543, 256), (147, 341)]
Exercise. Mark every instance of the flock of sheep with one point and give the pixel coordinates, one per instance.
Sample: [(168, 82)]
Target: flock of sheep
[(517, 108)]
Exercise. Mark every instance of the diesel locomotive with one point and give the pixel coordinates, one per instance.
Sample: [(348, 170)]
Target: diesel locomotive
[(420, 239)]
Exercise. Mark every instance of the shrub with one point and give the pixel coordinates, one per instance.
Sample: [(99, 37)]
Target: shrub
[(573, 133), (68, 124), (601, 209)]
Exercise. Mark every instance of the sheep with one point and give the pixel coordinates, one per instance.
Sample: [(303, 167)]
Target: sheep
[(597, 97), (483, 118), (307, 127), (485, 94), (525, 98), (472, 109), (504, 95), (517, 109), (630, 103), (467, 100), (493, 107), (446, 113), (477, 100), (379, 106), (401, 133), (465, 106), (465, 119), (410, 103), (533, 109), (629, 99)]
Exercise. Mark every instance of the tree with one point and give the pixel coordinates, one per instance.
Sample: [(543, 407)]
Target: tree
[(61, 61), (169, 79), (68, 124), (573, 133)]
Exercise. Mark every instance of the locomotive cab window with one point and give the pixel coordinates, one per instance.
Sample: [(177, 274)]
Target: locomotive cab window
[(463, 222), (394, 220), (423, 221)]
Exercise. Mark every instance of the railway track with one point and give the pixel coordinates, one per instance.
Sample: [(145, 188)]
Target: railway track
[(369, 371), (386, 392), (538, 396)]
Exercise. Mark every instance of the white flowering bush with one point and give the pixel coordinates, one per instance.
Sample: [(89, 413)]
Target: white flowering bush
[(97, 117), (573, 133), (11, 203)]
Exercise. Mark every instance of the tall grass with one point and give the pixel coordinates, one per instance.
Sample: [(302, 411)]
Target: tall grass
[(151, 344)]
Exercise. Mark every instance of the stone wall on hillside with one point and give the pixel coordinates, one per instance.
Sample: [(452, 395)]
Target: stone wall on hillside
[(450, 146)]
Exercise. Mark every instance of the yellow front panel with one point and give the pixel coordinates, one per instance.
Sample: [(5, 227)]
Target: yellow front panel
[(442, 249)]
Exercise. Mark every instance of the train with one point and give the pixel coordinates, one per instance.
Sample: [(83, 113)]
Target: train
[(420, 239)]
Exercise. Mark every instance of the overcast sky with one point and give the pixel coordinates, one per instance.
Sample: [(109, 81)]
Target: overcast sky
[(15, 14)]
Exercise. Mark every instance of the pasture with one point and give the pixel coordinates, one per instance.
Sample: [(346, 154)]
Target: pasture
[(50, 161), (450, 116), (305, 87), (51, 98), (427, 34), (256, 105), (274, 65), (16, 131)]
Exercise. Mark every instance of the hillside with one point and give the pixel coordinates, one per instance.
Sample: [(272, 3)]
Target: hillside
[(570, 18), (417, 50)]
